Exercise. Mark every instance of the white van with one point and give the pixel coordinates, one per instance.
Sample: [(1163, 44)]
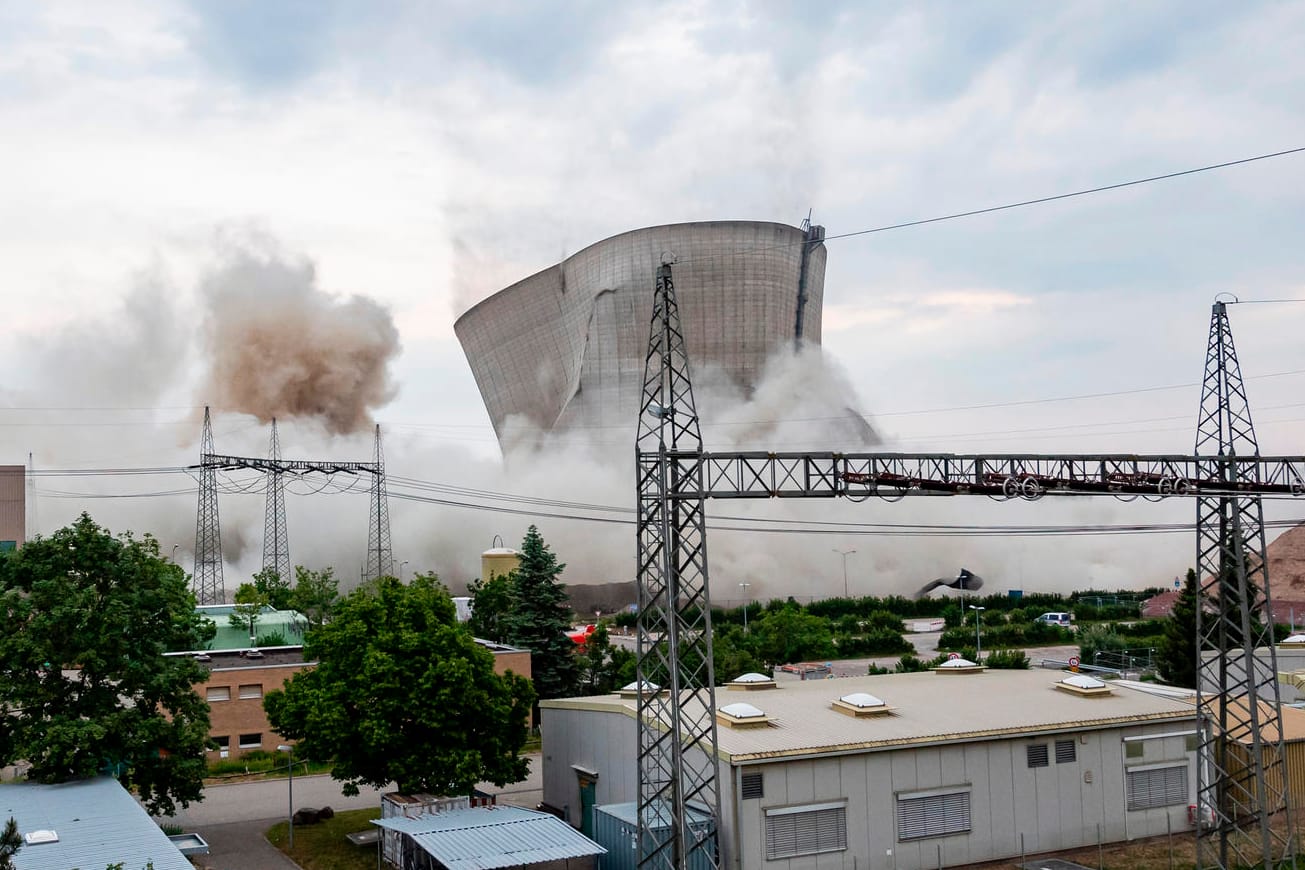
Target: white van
[(1055, 619)]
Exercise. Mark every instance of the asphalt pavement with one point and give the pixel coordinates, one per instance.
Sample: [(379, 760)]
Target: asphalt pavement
[(233, 817)]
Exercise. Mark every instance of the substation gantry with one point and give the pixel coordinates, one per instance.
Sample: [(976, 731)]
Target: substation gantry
[(206, 578), (1241, 782)]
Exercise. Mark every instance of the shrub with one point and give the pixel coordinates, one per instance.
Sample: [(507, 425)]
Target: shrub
[(1007, 659)]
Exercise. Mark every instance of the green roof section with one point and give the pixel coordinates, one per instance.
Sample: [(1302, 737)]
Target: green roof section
[(290, 624)]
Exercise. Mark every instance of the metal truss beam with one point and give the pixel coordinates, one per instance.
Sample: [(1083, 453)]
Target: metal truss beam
[(380, 555), (220, 462), (890, 476), (1241, 775)]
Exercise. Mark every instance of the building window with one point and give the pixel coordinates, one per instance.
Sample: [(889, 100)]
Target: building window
[(806, 830), (251, 741), (1065, 751), (223, 746), (1134, 749), (934, 815), (754, 786), (218, 693), (1157, 787), (253, 691), (1037, 754)]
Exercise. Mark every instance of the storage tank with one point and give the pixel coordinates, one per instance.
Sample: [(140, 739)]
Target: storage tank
[(498, 561)]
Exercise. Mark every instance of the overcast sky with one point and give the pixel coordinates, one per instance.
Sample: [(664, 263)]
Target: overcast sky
[(424, 155)]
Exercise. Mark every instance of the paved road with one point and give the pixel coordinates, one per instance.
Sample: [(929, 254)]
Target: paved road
[(232, 818)]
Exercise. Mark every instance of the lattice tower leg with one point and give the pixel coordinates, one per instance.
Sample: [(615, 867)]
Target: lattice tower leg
[(276, 542), (1241, 772), (206, 579), (679, 797), (380, 556)]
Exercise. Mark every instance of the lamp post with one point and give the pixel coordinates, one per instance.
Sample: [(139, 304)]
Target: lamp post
[(401, 564), (978, 620), (174, 553), (743, 586), (844, 554), (291, 750)]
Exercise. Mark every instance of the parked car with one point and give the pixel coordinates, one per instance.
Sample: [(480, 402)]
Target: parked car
[(1056, 619)]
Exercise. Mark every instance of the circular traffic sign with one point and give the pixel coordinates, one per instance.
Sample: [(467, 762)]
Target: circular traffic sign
[(953, 656), (1073, 661)]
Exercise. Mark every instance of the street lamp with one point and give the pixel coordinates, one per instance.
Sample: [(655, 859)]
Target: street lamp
[(174, 553), (978, 620), (743, 585), (844, 554), (291, 750), (401, 564)]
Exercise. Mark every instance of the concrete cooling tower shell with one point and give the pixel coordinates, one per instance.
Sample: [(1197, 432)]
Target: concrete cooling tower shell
[(565, 348)]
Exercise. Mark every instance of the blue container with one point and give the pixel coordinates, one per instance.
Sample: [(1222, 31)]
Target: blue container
[(617, 831)]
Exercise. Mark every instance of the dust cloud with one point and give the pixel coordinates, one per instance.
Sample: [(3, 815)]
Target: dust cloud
[(276, 345)]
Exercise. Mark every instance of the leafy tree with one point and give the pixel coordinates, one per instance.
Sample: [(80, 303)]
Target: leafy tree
[(249, 607), (601, 663), (491, 602), (1098, 638), (540, 617), (10, 842), (315, 595), (1176, 654), (87, 618), (789, 635), (274, 588), (402, 693)]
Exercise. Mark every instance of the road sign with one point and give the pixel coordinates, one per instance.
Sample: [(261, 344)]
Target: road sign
[(1073, 663), (953, 657)]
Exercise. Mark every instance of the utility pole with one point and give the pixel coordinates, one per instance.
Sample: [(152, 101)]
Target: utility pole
[(845, 554)]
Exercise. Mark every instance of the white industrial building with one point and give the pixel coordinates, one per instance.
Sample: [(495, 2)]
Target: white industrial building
[(906, 771)]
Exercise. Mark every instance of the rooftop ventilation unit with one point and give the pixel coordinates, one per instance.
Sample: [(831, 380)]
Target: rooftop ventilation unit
[(751, 683), (742, 715), (636, 689), (959, 666), (861, 704), (1295, 640), (35, 838), (1083, 685)]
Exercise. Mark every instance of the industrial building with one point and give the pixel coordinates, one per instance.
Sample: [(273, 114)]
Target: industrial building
[(13, 506), (903, 771), (565, 348)]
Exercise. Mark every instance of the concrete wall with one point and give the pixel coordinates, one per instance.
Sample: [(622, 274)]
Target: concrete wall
[(566, 346), (1053, 807), (13, 504)]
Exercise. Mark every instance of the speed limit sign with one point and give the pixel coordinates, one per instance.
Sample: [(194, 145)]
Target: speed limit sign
[(1073, 663), (953, 657)]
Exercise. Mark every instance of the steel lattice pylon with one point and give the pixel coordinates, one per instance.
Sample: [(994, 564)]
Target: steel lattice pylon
[(1241, 772), (677, 697), (276, 543), (380, 556), (206, 578)]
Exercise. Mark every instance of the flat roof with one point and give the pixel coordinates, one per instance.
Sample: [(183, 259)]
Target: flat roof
[(926, 708), (97, 821)]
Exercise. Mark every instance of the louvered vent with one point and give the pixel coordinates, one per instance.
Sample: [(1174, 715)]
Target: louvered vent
[(1037, 754), (754, 786), (1065, 751)]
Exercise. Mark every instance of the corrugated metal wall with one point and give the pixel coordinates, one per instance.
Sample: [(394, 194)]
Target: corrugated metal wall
[(13, 503)]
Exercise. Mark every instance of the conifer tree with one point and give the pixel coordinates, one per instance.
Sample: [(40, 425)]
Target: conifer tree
[(1177, 652), (540, 619)]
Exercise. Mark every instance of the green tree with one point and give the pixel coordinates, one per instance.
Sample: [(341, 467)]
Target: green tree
[(491, 602), (249, 607), (402, 693), (87, 619), (315, 595), (1176, 654), (274, 588), (788, 635), (10, 842), (600, 663), (540, 618)]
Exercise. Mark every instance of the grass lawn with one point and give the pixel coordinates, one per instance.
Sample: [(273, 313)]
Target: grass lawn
[(323, 846)]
